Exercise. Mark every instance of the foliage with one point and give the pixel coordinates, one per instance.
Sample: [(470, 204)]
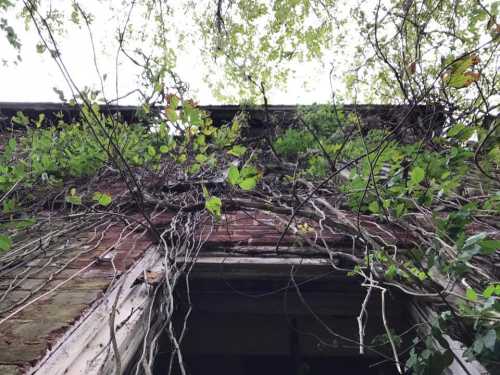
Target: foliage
[(246, 178), (436, 185)]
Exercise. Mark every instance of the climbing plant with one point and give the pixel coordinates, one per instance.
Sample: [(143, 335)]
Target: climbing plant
[(333, 164)]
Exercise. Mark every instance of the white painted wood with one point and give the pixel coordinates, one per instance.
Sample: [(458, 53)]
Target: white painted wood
[(82, 350)]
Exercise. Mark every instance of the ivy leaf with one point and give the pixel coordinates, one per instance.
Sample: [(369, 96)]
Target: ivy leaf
[(488, 292), (164, 149), (478, 345), (238, 151), (233, 175), (391, 272), (373, 207), (151, 151), (74, 199), (214, 206), (248, 171), (417, 175), (248, 183), (461, 132), (5, 243), (472, 240), (200, 158), (490, 339), (440, 361), (102, 198), (195, 168), (489, 247), (471, 294)]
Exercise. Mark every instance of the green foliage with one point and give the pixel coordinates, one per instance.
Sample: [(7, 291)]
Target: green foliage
[(293, 142), (423, 52), (102, 199), (214, 206), (246, 178), (411, 174), (5, 242), (425, 357), (73, 197), (227, 135), (76, 150), (238, 151), (255, 39), (323, 120)]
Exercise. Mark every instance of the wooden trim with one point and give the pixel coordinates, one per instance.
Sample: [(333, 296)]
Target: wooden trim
[(80, 350)]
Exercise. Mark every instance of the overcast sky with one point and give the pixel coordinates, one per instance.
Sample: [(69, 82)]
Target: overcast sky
[(34, 78)]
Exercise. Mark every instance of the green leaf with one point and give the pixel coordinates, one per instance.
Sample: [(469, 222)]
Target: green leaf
[(373, 207), (462, 80), (490, 339), (194, 168), (102, 198), (440, 361), (182, 158), (248, 171), (472, 240), (460, 66), (200, 140), (455, 129), (5, 243), (174, 102), (417, 175), (20, 119), (461, 132), (471, 294), (488, 292), (9, 206), (23, 224), (238, 151), (478, 345), (214, 206), (489, 247), (233, 175), (391, 272), (200, 158), (74, 199), (164, 149), (151, 151), (248, 183), (171, 114)]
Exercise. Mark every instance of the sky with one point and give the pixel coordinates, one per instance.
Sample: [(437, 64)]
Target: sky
[(34, 78)]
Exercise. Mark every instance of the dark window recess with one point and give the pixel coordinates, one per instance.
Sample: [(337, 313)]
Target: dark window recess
[(244, 327)]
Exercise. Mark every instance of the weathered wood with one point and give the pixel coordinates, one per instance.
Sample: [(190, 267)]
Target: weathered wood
[(82, 349), (214, 267)]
